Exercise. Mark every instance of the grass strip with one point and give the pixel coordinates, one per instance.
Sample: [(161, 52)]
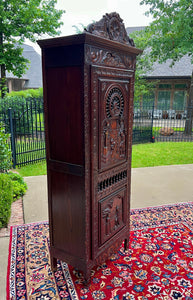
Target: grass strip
[(143, 155), (162, 154)]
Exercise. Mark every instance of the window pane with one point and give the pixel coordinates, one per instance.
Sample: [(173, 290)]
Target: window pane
[(165, 86), (148, 100), (163, 100), (180, 86), (179, 100)]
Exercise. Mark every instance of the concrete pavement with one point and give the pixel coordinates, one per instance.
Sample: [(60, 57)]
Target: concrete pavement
[(161, 185), (149, 187)]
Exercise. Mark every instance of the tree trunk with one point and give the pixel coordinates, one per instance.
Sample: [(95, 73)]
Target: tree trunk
[(3, 81), (189, 117), (3, 86)]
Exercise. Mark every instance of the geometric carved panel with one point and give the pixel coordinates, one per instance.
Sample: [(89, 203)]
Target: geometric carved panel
[(111, 215)]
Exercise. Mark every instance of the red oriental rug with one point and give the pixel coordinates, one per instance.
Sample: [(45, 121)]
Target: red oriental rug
[(157, 265)]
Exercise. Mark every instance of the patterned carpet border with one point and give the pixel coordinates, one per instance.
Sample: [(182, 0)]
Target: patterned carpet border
[(181, 213), (141, 218)]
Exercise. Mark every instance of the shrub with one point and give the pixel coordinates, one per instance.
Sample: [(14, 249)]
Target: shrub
[(6, 196), (18, 184), (25, 105), (5, 152), (33, 93), (17, 100)]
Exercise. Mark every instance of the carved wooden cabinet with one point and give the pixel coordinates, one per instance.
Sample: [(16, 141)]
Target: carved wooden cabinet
[(88, 101)]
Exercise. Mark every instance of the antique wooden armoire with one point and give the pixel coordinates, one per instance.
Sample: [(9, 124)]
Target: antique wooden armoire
[(88, 84)]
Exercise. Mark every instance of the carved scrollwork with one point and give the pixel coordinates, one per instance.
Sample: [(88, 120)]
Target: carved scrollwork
[(111, 27), (111, 59)]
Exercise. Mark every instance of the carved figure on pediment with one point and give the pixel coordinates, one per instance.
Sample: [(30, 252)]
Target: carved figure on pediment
[(111, 27)]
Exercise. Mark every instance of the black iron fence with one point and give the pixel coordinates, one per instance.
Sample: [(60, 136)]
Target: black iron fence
[(142, 125), (25, 123), (152, 124)]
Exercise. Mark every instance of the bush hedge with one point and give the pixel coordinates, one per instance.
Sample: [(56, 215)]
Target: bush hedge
[(25, 94), (5, 152), (17, 100), (25, 106), (6, 197), (18, 184), (12, 187)]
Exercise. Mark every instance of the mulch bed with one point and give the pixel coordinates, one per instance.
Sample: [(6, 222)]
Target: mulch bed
[(16, 218), (177, 136)]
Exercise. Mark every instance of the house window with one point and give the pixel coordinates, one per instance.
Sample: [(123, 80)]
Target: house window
[(168, 96), (179, 100), (165, 86), (180, 86), (163, 100), (148, 100)]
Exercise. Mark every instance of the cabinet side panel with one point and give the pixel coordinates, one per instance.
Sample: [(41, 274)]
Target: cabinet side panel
[(68, 213), (65, 115)]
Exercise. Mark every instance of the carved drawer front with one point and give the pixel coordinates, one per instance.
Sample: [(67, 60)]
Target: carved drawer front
[(111, 214)]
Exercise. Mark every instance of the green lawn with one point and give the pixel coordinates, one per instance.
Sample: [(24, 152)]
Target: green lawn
[(143, 155), (33, 169), (162, 154)]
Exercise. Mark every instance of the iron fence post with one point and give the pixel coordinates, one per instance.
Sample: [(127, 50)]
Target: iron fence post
[(13, 150), (152, 137)]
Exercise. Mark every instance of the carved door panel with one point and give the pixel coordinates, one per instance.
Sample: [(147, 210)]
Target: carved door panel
[(111, 215), (112, 122), (109, 122)]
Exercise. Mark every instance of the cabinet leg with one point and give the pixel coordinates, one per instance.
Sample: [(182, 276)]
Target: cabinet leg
[(53, 263), (86, 281), (125, 244), (87, 277)]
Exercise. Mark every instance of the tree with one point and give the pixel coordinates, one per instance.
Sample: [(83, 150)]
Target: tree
[(171, 36), (20, 20), (144, 64)]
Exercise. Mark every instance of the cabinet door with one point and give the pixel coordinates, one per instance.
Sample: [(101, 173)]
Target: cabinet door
[(111, 215), (110, 93)]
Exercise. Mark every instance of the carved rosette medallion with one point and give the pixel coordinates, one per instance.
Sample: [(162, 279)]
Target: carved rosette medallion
[(114, 28), (114, 103)]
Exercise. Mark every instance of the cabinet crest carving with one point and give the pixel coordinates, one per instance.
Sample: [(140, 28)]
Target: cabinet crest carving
[(111, 27), (111, 59)]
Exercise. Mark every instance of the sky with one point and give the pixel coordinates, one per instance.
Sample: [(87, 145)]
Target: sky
[(86, 11)]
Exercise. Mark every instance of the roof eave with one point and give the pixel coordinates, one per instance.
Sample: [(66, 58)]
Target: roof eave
[(167, 77)]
